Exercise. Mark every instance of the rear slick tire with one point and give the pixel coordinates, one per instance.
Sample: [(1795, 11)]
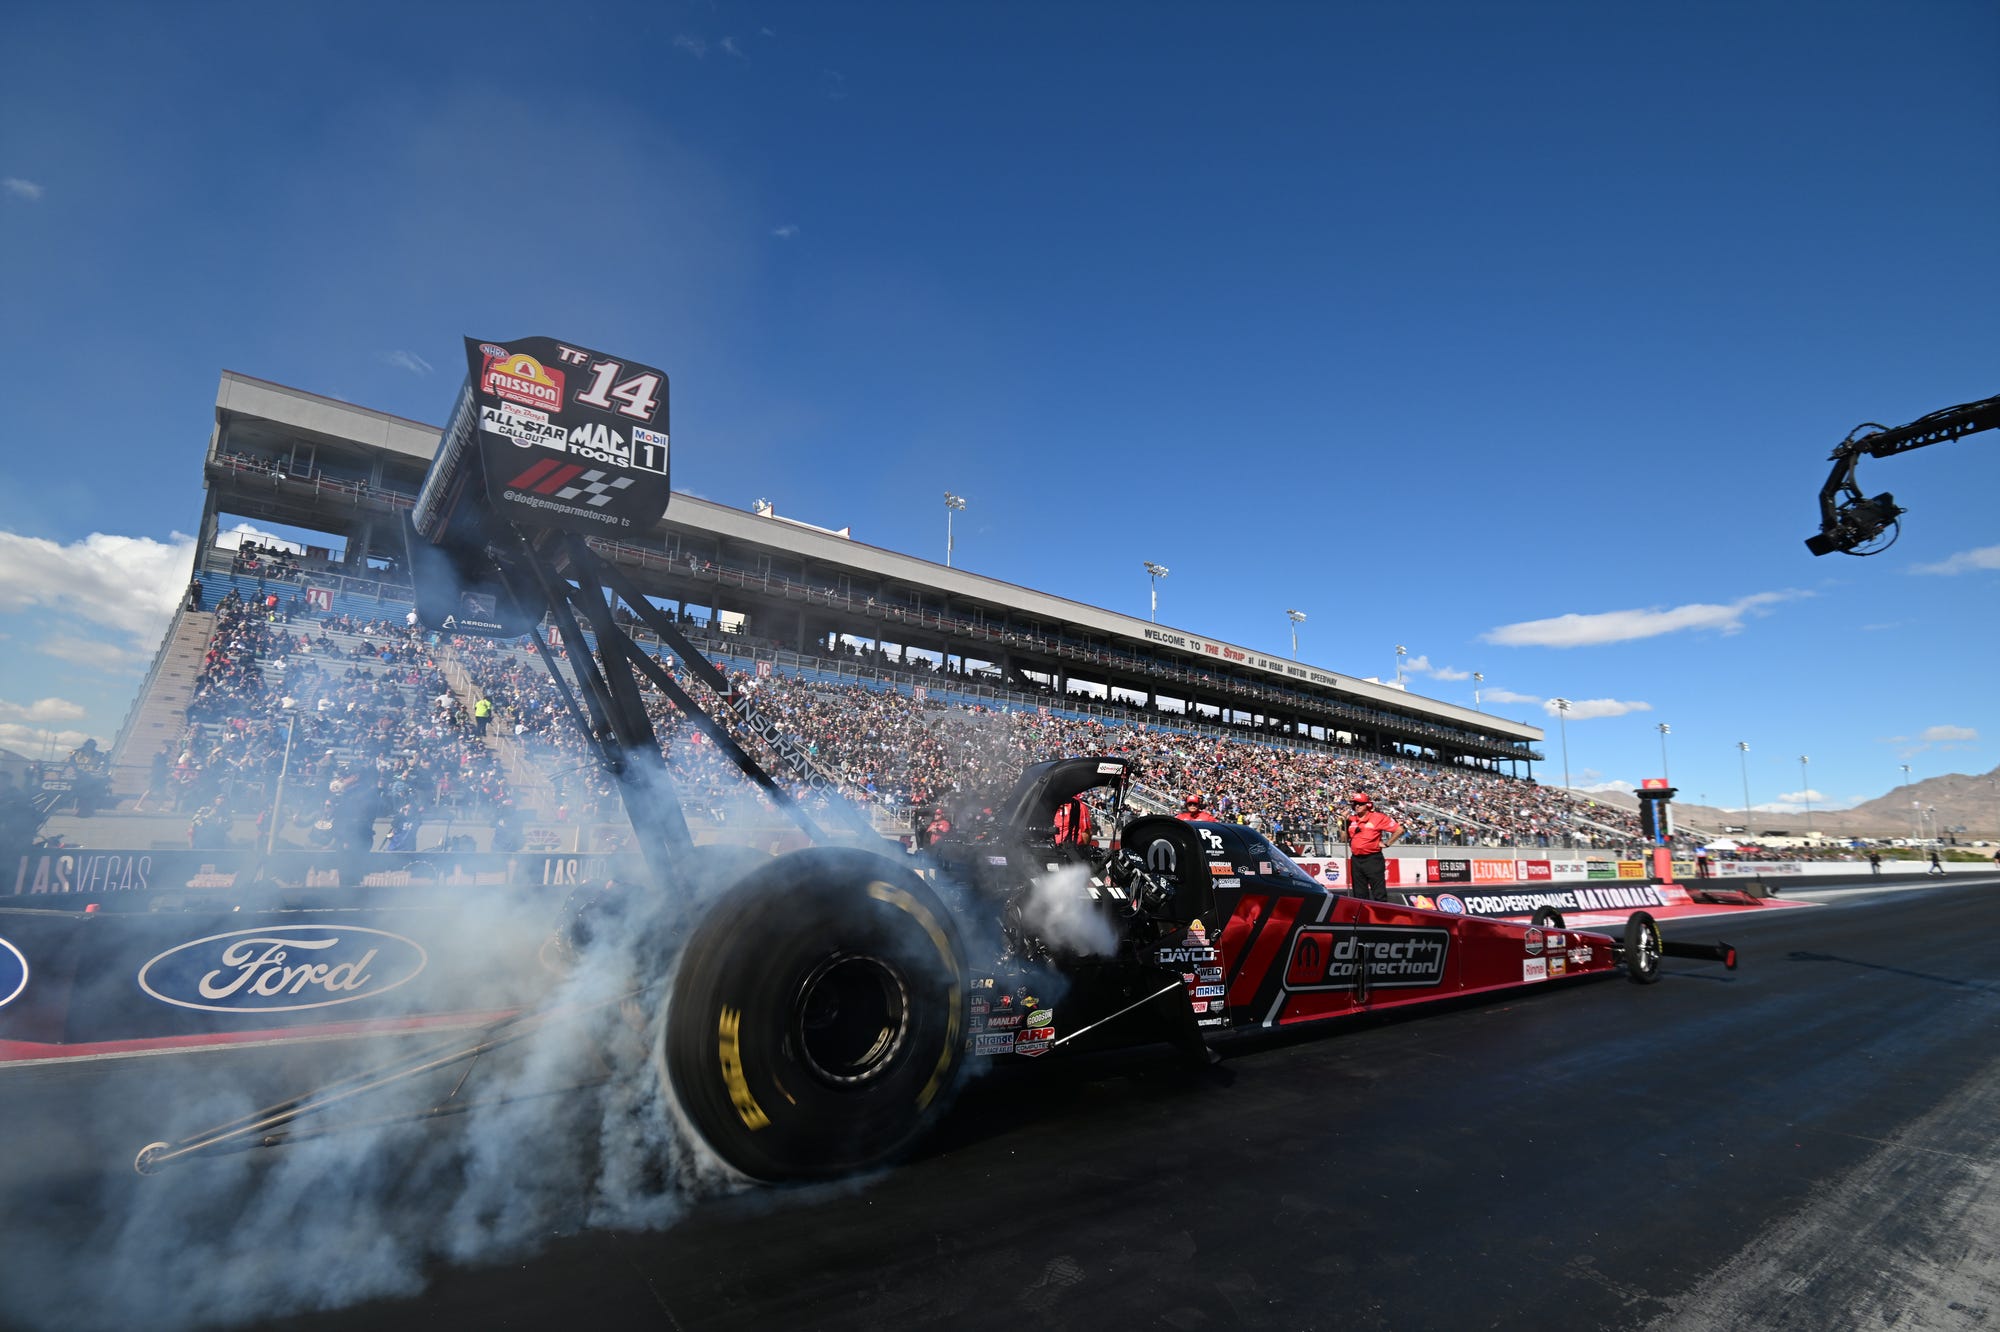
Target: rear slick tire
[(817, 1023), (1644, 947)]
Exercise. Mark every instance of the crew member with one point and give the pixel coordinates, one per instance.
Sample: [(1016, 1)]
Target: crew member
[(482, 713), (1073, 822), (1369, 832), (1936, 867), (1194, 813)]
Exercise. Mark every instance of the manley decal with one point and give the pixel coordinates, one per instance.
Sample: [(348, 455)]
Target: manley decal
[(282, 968)]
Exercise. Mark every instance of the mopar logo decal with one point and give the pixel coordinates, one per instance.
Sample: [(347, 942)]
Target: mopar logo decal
[(1160, 857), (13, 973), (1331, 957), (282, 968)]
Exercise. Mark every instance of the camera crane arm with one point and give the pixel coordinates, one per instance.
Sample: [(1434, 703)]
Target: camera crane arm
[(1849, 520)]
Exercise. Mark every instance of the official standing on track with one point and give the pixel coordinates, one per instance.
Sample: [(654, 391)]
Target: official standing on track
[(1369, 832)]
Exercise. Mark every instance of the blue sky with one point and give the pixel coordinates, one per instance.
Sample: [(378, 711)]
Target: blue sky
[(1434, 321)]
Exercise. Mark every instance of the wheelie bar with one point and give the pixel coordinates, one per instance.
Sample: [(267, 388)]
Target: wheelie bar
[(1715, 952)]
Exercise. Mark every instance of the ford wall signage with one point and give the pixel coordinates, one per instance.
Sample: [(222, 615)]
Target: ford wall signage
[(13, 973), (282, 968)]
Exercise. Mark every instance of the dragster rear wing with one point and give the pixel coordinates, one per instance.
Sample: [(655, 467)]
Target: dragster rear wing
[(544, 436)]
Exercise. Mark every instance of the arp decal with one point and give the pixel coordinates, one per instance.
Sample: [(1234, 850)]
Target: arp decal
[(1331, 957)]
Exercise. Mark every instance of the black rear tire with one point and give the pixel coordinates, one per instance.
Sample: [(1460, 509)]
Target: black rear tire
[(1547, 918), (1644, 947), (817, 1022)]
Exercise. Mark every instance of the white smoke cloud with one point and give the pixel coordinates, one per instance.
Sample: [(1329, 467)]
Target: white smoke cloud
[(1060, 909)]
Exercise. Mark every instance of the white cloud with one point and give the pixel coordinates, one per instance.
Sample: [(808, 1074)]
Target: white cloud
[(1941, 735), (1422, 666), (1599, 788), (694, 46), (1507, 696), (729, 47), (1584, 709), (131, 584), (34, 741), (41, 710), (1623, 626), (786, 232), (1983, 557), (23, 189), (90, 653), (407, 360)]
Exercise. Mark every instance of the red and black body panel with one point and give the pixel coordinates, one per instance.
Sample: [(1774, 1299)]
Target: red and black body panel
[(1292, 951)]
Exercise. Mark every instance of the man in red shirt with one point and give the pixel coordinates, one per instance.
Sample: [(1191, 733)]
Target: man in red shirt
[(1194, 813), (1369, 833)]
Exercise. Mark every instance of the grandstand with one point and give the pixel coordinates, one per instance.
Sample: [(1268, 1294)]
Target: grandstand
[(907, 684)]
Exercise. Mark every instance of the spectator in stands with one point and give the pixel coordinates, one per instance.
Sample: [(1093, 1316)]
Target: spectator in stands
[(194, 593), (482, 712), (1368, 834)]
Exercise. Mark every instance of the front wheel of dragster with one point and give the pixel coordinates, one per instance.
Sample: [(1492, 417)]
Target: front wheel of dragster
[(1546, 918), (816, 1024), (1644, 947)]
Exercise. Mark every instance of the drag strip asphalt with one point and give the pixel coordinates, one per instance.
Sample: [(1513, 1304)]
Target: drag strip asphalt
[(1805, 1142)]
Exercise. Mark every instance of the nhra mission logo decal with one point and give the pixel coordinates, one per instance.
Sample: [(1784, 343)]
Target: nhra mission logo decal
[(1330, 957), (282, 968), (520, 378)]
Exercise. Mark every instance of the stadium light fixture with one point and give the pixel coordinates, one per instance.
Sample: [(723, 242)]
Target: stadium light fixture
[(1401, 652), (952, 504), (1156, 572), (1913, 804), (1478, 679), (1297, 617), (1561, 705), (1665, 731), (1743, 756)]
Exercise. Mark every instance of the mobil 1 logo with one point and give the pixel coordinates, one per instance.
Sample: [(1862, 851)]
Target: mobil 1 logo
[(1331, 957), (570, 437)]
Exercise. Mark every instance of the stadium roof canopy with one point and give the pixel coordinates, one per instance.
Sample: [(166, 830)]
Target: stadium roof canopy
[(283, 455)]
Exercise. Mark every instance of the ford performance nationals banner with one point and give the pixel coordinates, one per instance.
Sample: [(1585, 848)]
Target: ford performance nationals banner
[(1524, 899), (569, 437)]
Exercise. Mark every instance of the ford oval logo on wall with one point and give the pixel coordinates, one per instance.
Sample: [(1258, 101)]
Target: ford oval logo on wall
[(13, 973), (282, 968)]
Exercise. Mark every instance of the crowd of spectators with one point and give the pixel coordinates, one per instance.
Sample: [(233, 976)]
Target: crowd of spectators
[(373, 731)]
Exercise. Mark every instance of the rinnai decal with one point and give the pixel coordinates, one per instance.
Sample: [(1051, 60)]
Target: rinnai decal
[(282, 968), (13, 973), (1534, 969), (521, 378), (1332, 957)]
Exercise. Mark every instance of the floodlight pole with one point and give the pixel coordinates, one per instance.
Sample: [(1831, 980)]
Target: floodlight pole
[(1478, 679), (1155, 572), (1805, 790), (1561, 705), (952, 504), (1743, 757), (1401, 652), (1665, 731), (1297, 617)]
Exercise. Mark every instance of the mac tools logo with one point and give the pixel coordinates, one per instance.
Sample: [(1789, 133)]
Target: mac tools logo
[(282, 968)]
